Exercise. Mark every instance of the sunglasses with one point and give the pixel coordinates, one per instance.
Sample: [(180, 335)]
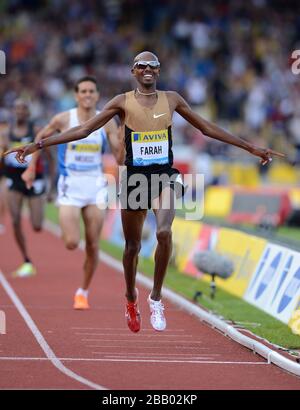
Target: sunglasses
[(143, 64)]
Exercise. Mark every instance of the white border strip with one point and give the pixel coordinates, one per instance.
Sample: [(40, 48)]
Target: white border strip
[(121, 359), (40, 339), (257, 347)]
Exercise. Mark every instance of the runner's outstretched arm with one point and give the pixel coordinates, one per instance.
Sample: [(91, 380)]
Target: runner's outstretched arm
[(213, 131), (54, 126), (113, 107)]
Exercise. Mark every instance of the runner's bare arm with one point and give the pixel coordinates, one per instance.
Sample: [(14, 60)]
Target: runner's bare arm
[(213, 131), (56, 124), (113, 107), (116, 141)]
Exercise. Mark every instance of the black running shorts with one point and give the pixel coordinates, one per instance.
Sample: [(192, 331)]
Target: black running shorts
[(138, 189), (14, 182)]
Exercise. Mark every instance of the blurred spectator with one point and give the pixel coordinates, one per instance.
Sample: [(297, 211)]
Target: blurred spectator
[(229, 57)]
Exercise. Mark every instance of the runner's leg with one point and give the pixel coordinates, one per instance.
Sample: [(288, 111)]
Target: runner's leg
[(164, 211), (93, 219), (132, 222), (69, 220), (15, 202), (37, 208)]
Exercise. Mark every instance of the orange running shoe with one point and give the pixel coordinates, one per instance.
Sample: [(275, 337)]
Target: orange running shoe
[(133, 316), (80, 302)]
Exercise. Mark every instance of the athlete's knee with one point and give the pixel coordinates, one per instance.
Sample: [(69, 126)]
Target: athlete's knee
[(71, 243), (132, 247), (37, 227), (164, 236), (92, 248)]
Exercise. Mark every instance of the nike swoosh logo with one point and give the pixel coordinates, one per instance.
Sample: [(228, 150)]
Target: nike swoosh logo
[(159, 115)]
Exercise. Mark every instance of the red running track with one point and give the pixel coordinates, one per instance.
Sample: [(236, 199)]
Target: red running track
[(96, 344)]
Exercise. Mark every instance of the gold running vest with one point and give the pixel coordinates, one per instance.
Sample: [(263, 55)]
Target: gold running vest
[(148, 135)]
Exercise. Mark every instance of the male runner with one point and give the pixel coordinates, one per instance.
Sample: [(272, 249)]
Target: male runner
[(81, 182), (23, 131), (146, 114)]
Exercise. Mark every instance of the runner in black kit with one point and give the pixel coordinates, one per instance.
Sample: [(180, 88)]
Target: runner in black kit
[(20, 132), (146, 115)]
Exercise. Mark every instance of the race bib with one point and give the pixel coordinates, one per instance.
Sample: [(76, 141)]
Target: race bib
[(83, 156), (150, 147)]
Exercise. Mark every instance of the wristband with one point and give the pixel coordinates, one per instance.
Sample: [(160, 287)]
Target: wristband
[(40, 144)]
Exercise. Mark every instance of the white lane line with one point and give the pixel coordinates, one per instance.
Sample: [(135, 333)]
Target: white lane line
[(141, 347), (182, 359), (187, 355), (145, 329), (157, 342), (40, 339), (76, 359), (133, 336)]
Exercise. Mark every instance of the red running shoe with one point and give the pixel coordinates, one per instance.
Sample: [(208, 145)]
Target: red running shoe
[(80, 302), (133, 316)]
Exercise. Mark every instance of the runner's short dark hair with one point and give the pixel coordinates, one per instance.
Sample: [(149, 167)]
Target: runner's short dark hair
[(86, 78)]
